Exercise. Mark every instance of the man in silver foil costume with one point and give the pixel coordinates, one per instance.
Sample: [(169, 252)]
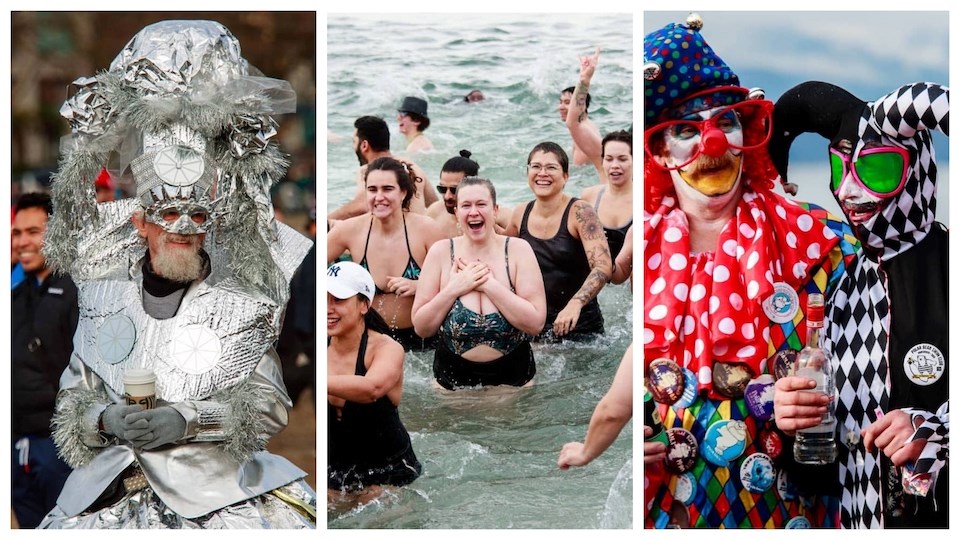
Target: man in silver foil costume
[(188, 280)]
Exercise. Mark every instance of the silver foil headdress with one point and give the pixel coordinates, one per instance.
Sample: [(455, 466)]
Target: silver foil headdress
[(192, 120)]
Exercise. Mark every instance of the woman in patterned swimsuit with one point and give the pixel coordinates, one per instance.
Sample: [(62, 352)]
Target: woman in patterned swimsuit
[(484, 294)]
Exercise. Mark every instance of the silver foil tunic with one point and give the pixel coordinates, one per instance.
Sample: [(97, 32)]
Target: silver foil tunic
[(214, 364), (214, 341)]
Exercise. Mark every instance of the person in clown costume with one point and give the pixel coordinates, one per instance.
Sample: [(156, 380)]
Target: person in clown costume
[(887, 327), (729, 267)]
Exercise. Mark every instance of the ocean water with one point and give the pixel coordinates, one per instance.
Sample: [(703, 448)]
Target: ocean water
[(489, 457)]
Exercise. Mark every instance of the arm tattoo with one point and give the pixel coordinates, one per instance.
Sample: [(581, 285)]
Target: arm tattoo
[(591, 287), (581, 91), (590, 227), (597, 277), (599, 254)]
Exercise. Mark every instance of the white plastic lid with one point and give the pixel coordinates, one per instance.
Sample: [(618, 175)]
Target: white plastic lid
[(138, 376)]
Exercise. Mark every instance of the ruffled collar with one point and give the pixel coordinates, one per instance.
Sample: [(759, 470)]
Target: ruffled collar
[(707, 307)]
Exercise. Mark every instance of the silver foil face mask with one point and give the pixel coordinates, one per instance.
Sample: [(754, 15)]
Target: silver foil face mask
[(180, 216), (175, 181)]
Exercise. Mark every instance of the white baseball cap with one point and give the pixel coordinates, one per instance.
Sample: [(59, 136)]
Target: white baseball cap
[(346, 279)]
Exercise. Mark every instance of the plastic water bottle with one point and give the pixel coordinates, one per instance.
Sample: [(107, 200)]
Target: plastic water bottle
[(817, 445)]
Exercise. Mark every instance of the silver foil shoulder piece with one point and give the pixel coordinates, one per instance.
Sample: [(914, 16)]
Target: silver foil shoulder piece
[(108, 251)]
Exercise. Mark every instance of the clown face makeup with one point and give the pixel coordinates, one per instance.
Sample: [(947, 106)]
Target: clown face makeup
[(707, 130), (704, 149)]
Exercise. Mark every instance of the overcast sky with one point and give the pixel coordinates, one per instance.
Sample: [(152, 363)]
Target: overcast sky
[(868, 53)]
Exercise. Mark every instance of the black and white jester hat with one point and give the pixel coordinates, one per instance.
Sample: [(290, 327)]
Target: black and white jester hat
[(903, 118)]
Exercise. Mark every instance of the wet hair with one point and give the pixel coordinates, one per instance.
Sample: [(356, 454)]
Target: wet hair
[(375, 131), (462, 163), (373, 320), (406, 179), (555, 149), (758, 169), (474, 96), (35, 200), (424, 121), (622, 136), (570, 91), (477, 181)]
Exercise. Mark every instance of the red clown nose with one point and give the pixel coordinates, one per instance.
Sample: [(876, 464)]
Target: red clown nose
[(714, 142)]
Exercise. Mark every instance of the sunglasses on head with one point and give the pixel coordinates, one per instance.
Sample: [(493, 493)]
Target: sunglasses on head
[(443, 189), (882, 172)]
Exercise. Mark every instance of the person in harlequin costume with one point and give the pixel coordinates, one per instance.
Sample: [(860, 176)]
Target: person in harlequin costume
[(729, 266), (887, 327)]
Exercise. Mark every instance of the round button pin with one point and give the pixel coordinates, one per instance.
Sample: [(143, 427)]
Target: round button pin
[(783, 363), (730, 380), (798, 522), (759, 397), (786, 490), (757, 473), (665, 381), (686, 488), (681, 450), (724, 442), (770, 443), (689, 390), (783, 304)]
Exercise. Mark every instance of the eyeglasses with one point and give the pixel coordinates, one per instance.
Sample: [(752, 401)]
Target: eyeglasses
[(716, 134), (551, 168), (881, 171), (443, 189)]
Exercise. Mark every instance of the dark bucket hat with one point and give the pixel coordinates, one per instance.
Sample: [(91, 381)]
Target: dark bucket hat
[(414, 105)]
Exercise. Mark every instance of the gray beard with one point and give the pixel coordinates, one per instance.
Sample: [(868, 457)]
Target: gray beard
[(180, 265)]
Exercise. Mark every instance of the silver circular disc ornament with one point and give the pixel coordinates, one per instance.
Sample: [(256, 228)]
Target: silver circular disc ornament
[(195, 349), (115, 338), (178, 166)]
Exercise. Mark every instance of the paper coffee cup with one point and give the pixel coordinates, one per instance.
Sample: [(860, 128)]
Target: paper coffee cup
[(139, 387)]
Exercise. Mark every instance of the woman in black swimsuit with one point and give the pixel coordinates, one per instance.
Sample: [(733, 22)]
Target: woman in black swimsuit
[(367, 444), (613, 201), (570, 245), (391, 243)]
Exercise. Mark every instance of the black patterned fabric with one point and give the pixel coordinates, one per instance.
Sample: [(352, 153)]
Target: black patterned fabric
[(890, 304), (861, 314)]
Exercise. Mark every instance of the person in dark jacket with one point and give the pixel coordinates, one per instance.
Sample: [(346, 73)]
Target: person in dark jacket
[(43, 311)]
